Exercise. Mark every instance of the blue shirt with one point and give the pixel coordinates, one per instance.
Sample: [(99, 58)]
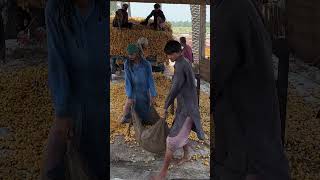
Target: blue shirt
[(139, 86), (138, 79), (79, 69)]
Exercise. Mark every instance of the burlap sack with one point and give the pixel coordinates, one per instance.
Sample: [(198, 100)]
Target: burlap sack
[(153, 138)]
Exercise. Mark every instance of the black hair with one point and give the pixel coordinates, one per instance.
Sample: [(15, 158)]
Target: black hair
[(67, 11), (183, 39), (125, 5), (157, 6), (172, 46)]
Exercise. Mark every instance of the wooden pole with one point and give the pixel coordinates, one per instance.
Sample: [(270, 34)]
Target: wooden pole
[(195, 13), (281, 50), (202, 43)]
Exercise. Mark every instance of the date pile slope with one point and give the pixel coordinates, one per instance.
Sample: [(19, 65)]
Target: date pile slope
[(120, 38)]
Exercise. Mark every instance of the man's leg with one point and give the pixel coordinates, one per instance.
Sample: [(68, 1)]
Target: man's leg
[(186, 155), (164, 170), (174, 143), (96, 141), (53, 167)]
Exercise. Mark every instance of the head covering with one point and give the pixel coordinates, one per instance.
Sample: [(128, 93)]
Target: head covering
[(142, 43), (132, 48)]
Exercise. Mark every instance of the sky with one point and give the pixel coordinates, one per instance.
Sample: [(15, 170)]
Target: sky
[(173, 12)]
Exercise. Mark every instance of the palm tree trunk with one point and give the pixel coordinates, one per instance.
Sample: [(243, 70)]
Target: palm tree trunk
[(195, 15)]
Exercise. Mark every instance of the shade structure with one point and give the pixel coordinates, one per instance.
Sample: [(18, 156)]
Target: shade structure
[(173, 1), (31, 3)]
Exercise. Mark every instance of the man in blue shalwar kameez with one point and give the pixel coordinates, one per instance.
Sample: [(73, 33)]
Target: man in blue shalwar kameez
[(79, 84), (140, 87)]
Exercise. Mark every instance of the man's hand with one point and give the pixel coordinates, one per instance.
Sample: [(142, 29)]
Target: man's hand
[(64, 126), (130, 101), (152, 101), (164, 114)]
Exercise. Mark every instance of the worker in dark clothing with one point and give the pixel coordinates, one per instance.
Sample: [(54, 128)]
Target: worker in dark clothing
[(159, 18), (79, 74), (246, 111), (121, 18)]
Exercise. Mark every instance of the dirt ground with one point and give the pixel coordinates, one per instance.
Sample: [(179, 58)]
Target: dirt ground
[(129, 161)]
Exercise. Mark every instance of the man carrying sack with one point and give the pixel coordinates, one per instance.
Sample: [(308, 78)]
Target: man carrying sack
[(187, 115)]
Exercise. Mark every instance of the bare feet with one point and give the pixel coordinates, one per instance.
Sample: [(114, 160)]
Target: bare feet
[(186, 157), (125, 118), (160, 176), (183, 160)]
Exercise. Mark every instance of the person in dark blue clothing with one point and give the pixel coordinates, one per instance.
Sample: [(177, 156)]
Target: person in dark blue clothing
[(248, 143), (140, 87), (159, 18), (79, 75)]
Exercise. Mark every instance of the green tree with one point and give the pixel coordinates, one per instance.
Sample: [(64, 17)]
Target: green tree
[(113, 7)]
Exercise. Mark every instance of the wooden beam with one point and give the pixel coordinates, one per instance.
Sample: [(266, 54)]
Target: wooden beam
[(172, 1), (202, 43)]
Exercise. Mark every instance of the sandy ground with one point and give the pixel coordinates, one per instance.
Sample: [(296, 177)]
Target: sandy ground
[(129, 161), (305, 79)]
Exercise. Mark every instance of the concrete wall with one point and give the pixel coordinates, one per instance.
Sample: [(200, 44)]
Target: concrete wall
[(304, 28)]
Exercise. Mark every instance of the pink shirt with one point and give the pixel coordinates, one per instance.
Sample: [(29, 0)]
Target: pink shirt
[(187, 53)]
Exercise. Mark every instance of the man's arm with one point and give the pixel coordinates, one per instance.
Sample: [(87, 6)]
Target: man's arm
[(177, 84), (128, 85), (58, 72), (149, 16), (152, 87)]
